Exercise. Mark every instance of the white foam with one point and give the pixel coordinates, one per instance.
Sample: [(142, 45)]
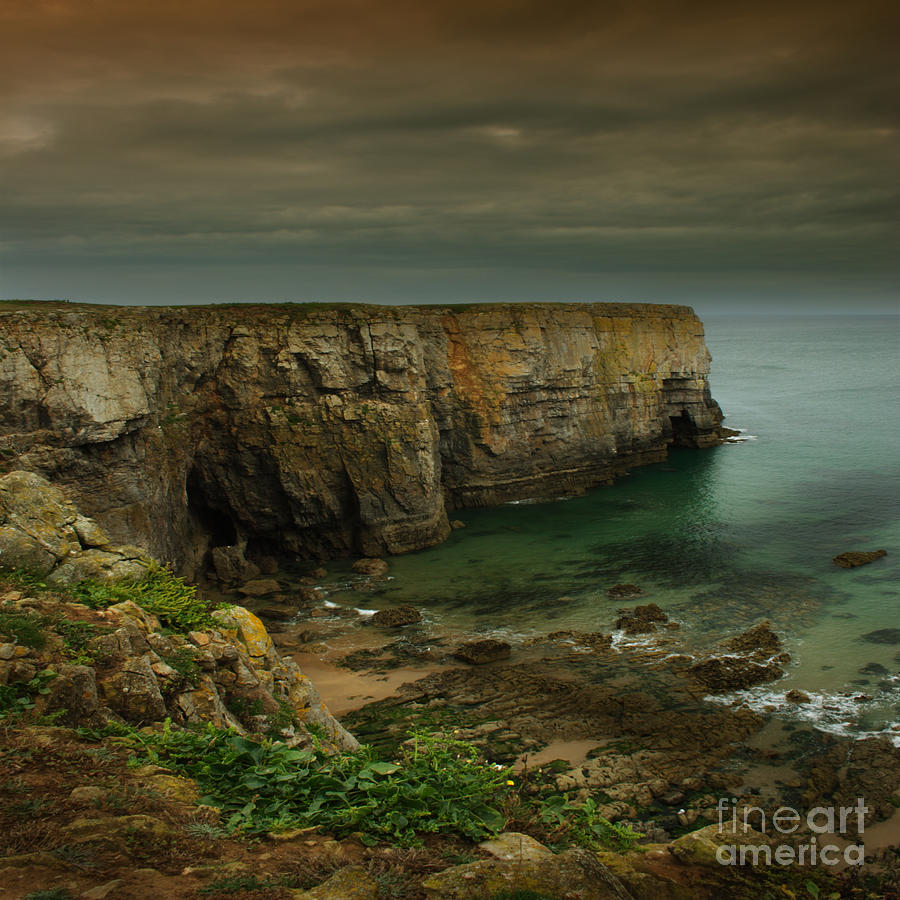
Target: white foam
[(330, 604), (742, 436), (623, 641), (365, 612), (832, 713)]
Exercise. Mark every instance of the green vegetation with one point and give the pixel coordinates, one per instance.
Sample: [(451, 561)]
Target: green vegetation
[(76, 635), (23, 627), (268, 786), (437, 785), (158, 591), (17, 700), (184, 662), (584, 824)]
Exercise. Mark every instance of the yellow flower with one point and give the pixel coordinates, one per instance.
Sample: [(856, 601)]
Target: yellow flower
[(510, 782)]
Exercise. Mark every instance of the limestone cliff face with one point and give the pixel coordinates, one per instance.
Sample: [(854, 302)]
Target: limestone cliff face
[(342, 429)]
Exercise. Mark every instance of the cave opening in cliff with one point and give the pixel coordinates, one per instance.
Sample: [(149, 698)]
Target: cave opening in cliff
[(215, 523), (684, 430)]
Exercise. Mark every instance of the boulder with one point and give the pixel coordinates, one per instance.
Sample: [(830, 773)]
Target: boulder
[(230, 564), (373, 567), (278, 613), (88, 795), (74, 690), (477, 653), (349, 883), (513, 845), (396, 616), (759, 641), (260, 587), (249, 629), (575, 874), (114, 564), (89, 533), (720, 674), (795, 696), (32, 507), (118, 829), (641, 619), (203, 704), (701, 847), (20, 549), (134, 692)]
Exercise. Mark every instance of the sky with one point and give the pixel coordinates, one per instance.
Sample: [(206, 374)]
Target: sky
[(732, 156)]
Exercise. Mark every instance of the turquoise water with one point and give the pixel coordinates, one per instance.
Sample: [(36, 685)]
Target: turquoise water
[(720, 538)]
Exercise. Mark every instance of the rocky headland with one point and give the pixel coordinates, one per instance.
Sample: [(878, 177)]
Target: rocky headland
[(326, 431)]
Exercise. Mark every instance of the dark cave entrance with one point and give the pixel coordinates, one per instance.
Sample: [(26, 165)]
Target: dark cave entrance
[(684, 431), (216, 523)]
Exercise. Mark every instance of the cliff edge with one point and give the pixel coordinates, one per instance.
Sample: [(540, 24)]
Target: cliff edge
[(331, 430)]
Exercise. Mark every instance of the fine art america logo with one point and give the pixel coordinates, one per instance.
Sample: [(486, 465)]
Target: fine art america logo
[(825, 824)]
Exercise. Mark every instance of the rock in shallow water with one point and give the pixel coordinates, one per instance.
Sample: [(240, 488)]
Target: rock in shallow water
[(756, 641), (853, 558), (882, 636), (795, 696), (641, 619), (620, 591), (397, 616), (374, 567), (477, 653), (733, 673)]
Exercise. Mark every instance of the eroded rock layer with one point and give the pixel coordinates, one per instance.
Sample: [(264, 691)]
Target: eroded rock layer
[(332, 430)]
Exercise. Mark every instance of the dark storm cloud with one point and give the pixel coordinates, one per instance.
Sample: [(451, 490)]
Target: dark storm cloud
[(588, 139)]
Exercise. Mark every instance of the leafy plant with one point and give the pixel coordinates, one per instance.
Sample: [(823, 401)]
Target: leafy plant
[(440, 786), (158, 591), (436, 785), (585, 823), (18, 699)]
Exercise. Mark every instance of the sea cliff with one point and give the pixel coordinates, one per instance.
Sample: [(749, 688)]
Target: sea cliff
[(330, 430)]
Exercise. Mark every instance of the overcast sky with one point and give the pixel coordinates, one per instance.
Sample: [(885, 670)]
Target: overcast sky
[(727, 155)]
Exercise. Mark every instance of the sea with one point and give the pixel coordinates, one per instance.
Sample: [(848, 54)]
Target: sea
[(723, 538)]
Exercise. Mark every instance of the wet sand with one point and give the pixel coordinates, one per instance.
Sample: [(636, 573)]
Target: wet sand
[(345, 691), (574, 752)]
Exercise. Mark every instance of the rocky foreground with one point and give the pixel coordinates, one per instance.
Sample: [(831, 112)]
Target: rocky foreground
[(144, 736)]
